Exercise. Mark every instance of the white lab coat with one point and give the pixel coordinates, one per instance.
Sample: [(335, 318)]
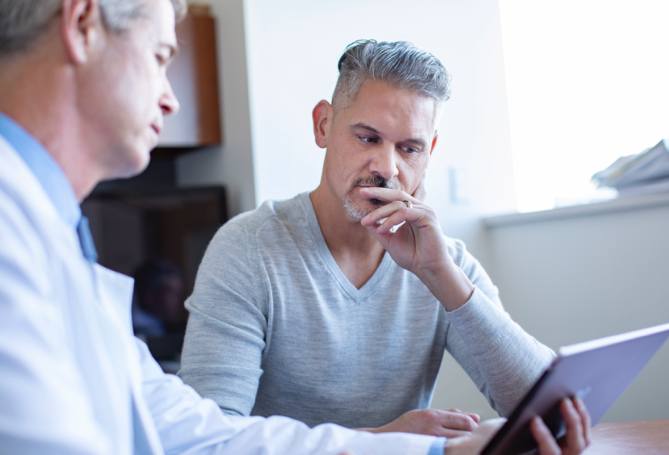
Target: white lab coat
[(73, 379)]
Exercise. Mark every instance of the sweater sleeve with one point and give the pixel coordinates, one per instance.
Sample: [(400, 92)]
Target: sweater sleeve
[(501, 358), (225, 337)]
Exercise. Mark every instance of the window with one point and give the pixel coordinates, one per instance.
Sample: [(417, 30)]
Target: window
[(587, 82)]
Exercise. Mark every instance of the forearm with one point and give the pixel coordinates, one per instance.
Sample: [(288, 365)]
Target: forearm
[(229, 375), (448, 283), (226, 331), (503, 359)]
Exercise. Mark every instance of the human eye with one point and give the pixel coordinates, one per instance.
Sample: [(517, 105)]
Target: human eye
[(369, 139), (163, 55)]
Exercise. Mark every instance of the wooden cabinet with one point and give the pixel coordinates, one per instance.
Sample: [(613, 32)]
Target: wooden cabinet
[(130, 227), (194, 78)]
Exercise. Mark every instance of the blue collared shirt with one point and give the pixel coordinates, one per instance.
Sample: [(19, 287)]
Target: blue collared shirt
[(46, 169), (437, 447)]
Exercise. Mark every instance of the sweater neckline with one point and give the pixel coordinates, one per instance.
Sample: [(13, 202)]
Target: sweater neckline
[(358, 295)]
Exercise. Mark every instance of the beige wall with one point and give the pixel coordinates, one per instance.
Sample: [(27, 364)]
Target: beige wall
[(567, 280)]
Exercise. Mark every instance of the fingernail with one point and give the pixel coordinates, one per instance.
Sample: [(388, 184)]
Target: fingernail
[(541, 425)]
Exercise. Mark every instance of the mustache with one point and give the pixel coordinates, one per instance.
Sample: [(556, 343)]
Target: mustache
[(376, 181)]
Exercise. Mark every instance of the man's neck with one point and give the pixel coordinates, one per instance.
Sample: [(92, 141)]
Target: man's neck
[(36, 91), (357, 253)]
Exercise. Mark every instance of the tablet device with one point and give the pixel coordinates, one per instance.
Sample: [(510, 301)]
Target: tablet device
[(596, 371)]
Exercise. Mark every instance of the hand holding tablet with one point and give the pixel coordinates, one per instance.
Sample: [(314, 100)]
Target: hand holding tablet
[(577, 436), (595, 373)]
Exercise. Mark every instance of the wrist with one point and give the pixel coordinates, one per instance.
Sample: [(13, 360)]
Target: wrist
[(461, 446), (448, 283), (451, 447)]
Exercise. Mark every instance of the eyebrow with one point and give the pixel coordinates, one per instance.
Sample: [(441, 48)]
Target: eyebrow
[(364, 126)]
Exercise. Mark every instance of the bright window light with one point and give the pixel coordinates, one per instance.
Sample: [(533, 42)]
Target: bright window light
[(587, 81)]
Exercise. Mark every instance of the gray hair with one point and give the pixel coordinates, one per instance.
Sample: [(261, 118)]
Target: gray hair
[(399, 63), (22, 21)]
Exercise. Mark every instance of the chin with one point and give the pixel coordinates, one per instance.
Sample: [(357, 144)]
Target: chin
[(141, 164), (141, 167), (357, 211), (135, 163)]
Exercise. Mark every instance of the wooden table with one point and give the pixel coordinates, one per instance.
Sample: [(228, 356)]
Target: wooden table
[(644, 437)]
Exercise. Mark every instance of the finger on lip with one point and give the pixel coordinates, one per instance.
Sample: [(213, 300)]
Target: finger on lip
[(379, 215), (383, 194)]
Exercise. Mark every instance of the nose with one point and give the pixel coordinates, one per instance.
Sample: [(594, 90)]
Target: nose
[(384, 162), (168, 101)]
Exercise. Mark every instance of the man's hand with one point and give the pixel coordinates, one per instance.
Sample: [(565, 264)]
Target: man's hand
[(434, 422), (577, 438), (473, 443), (418, 245)]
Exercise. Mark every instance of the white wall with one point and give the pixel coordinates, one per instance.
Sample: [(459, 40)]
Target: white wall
[(575, 279), (293, 48), (232, 163), (278, 59)]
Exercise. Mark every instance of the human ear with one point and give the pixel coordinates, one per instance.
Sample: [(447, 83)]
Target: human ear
[(81, 25), (322, 115), (434, 141)]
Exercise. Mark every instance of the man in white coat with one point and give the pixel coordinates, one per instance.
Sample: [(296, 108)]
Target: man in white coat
[(82, 95)]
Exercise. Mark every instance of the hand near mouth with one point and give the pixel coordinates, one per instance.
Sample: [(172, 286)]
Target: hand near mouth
[(418, 245), (419, 241)]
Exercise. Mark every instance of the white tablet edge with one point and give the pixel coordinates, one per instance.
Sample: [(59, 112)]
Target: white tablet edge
[(613, 339)]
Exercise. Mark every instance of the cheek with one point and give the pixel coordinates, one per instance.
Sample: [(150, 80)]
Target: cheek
[(141, 104), (338, 156), (413, 170), (124, 96), (142, 81)]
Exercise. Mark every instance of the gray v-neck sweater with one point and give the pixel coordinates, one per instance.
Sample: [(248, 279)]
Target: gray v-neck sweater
[(276, 328)]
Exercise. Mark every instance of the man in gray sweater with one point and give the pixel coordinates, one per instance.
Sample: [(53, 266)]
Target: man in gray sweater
[(337, 305)]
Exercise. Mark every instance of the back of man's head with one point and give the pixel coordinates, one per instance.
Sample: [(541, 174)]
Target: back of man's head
[(400, 64), (23, 21), (150, 277)]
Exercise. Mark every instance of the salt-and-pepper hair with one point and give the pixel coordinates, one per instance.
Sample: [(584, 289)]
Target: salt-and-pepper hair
[(22, 21), (400, 64)]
